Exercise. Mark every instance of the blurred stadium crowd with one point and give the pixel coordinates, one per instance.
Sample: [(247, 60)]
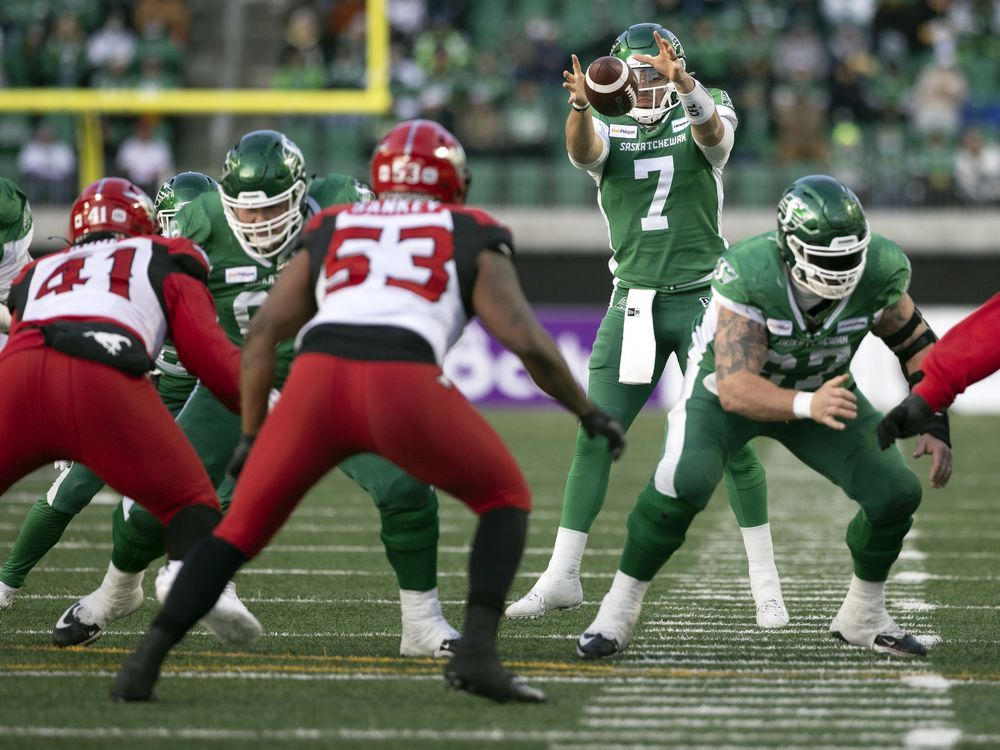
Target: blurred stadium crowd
[(900, 99)]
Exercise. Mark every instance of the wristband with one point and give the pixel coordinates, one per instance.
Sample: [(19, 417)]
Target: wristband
[(698, 104), (802, 405), (580, 109)]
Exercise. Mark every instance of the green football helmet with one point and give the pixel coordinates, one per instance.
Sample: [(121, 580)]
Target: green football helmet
[(654, 88), (823, 235), (176, 193), (264, 174)]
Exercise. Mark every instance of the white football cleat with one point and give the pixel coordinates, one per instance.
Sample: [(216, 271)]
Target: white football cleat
[(229, 620), (7, 594), (547, 595), (772, 614), (425, 630), (120, 594), (874, 628)]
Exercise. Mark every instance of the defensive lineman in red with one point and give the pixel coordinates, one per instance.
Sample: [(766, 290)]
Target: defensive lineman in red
[(87, 324), (378, 295)]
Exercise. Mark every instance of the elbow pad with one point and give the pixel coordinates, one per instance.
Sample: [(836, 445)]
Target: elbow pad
[(718, 154)]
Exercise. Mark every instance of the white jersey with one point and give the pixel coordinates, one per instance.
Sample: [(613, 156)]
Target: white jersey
[(106, 295), (393, 279), (13, 257)]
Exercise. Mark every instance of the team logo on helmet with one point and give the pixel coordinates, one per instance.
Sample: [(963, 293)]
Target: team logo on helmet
[(794, 214)]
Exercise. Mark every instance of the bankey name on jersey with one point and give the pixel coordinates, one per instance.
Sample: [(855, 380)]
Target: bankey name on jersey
[(104, 300), (393, 278)]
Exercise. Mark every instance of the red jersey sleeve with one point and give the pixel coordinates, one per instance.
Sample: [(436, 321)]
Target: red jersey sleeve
[(201, 344), (965, 355)]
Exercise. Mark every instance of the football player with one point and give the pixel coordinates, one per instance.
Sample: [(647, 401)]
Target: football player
[(77, 485), (965, 355), (380, 294), (249, 229), (87, 323), (16, 231), (659, 175), (770, 356)]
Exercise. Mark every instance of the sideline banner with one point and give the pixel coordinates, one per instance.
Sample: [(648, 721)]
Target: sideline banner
[(489, 375)]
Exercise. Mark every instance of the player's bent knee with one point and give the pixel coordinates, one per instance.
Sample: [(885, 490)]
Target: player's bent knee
[(412, 528), (899, 499), (403, 492)]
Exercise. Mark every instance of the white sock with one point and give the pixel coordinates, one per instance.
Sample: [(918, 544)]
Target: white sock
[(419, 604), (869, 594), (760, 550), (117, 582), (567, 553), (626, 591)]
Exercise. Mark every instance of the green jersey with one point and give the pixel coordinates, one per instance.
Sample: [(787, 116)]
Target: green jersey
[(16, 230), (802, 353), (239, 283), (661, 199)]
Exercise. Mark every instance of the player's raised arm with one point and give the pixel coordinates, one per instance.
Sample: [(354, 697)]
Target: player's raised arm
[(500, 304), (582, 143)]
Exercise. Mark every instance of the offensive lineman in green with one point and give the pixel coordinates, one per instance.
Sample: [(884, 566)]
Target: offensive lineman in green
[(659, 176), (249, 229), (16, 231), (76, 486), (770, 356)]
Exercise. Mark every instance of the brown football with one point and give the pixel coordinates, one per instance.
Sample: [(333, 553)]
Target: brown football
[(611, 86)]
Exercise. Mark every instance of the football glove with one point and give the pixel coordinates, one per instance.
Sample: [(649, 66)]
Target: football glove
[(598, 422), (908, 418), (240, 455)]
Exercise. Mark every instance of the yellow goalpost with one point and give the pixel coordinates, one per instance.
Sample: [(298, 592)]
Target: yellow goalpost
[(90, 104)]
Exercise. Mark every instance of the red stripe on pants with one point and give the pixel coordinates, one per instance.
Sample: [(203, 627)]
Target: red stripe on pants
[(333, 408), (54, 406)]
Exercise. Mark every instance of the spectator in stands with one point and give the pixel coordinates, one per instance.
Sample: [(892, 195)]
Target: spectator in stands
[(113, 43), (171, 15), (47, 167), (977, 168), (145, 158), (527, 121), (64, 56), (938, 95)]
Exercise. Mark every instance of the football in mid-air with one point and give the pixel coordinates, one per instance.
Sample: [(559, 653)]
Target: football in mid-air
[(611, 86)]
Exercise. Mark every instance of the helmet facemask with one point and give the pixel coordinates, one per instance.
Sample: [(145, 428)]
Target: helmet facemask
[(831, 271), (655, 91), (268, 237)]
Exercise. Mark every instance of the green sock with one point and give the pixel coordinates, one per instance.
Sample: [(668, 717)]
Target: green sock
[(746, 487), (42, 528), (137, 541)]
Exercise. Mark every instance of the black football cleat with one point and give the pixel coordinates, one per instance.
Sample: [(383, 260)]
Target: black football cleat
[(904, 645), (72, 631), (596, 646), (484, 675), (135, 680)]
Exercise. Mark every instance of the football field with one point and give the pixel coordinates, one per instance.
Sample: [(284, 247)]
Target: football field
[(698, 674)]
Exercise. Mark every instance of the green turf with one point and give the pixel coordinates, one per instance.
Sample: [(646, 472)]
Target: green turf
[(698, 673)]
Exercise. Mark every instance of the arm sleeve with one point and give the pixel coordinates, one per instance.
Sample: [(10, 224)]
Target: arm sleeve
[(965, 355), (601, 128), (201, 345)]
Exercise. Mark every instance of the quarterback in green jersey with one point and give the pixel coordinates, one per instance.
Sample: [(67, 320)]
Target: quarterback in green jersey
[(16, 230), (77, 485), (658, 171), (249, 230), (770, 357)]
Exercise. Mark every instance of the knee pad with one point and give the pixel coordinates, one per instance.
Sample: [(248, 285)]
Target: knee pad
[(407, 529), (140, 521), (746, 469), (402, 492), (659, 522), (898, 499)]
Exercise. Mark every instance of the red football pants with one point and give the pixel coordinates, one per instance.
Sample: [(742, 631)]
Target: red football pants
[(54, 406), (333, 408)]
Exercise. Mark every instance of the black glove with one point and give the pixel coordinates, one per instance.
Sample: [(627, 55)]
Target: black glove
[(908, 418), (240, 455), (598, 422)]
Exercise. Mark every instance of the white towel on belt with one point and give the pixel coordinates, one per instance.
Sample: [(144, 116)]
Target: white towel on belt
[(638, 338)]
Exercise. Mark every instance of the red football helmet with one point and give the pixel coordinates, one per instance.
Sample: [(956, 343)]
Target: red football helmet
[(111, 204), (421, 156)]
